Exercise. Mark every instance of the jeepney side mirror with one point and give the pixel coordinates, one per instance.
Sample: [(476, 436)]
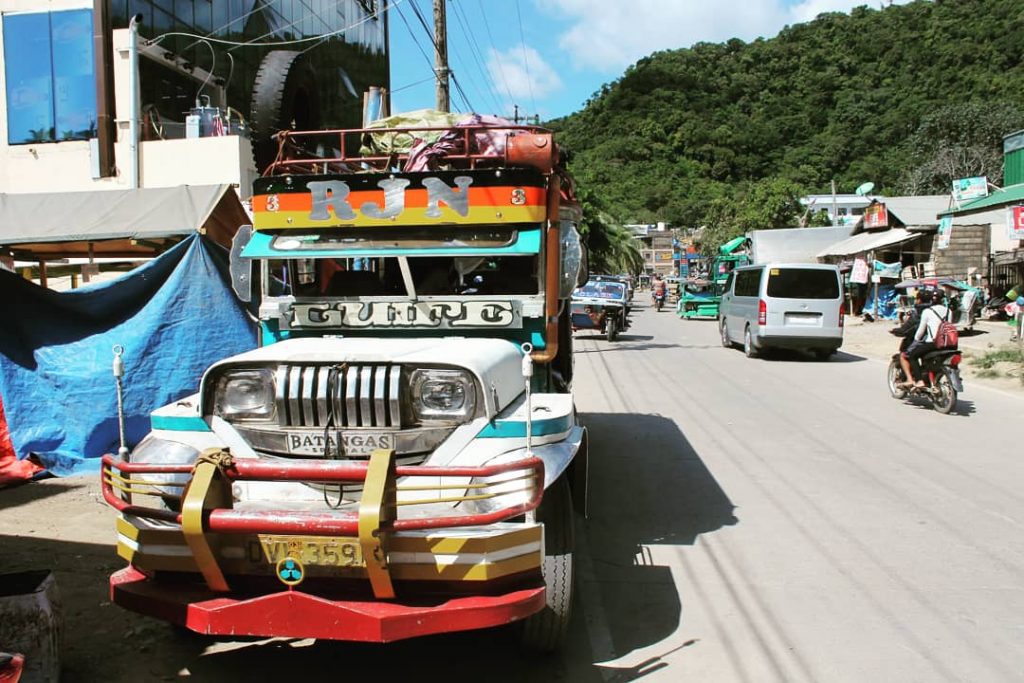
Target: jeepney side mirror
[(573, 260), (241, 268)]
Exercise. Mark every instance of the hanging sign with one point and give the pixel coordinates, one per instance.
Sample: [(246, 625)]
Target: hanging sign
[(945, 231), (1015, 223), (966, 189), (859, 274), (876, 216)]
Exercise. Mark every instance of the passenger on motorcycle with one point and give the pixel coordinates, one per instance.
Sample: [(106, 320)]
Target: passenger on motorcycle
[(659, 288), (924, 337)]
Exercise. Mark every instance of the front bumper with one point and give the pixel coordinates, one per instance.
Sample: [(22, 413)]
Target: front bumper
[(298, 614)]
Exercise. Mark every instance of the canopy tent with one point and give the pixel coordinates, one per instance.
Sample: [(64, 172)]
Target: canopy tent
[(116, 223), (864, 242)]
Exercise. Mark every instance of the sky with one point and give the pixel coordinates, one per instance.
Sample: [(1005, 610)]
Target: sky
[(549, 56)]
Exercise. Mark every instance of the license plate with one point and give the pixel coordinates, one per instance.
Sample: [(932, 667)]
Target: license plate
[(807, 319), (321, 551), (355, 443)]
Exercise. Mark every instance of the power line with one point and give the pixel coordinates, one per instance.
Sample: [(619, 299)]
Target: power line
[(279, 43), (433, 39), (415, 40), (477, 54), (526, 59), (501, 70)]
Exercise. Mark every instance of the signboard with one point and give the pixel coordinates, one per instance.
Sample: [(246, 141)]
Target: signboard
[(876, 216), (447, 315), (859, 274), (966, 189), (397, 201), (1015, 223), (945, 231), (890, 270)]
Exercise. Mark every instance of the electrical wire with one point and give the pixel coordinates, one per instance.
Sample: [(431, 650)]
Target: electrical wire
[(279, 43), (213, 67), (433, 39), (526, 59), (501, 71), (415, 40), (477, 53)]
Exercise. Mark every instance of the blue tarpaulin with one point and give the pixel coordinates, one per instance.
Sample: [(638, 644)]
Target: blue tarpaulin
[(174, 316), (888, 298)]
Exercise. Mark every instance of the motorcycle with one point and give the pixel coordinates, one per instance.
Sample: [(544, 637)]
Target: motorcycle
[(940, 370), (659, 300)]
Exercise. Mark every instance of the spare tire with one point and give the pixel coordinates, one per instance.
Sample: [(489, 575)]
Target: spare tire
[(284, 96)]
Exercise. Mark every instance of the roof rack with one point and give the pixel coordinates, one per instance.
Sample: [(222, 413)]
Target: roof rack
[(410, 149)]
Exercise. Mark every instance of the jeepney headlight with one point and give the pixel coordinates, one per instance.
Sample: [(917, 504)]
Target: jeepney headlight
[(245, 394), (502, 491), (442, 394), (153, 450)]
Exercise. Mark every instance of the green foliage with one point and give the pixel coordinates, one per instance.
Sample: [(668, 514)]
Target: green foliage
[(700, 136), (611, 248)]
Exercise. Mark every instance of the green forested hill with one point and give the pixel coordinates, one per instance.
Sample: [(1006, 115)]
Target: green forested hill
[(907, 97)]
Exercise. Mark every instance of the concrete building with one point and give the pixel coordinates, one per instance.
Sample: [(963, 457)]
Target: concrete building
[(88, 107)]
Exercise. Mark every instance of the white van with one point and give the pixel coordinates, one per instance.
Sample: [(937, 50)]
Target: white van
[(783, 306)]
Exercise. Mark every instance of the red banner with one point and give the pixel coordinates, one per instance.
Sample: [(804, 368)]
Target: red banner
[(876, 216)]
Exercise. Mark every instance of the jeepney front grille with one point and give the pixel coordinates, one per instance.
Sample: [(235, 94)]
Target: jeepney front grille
[(360, 395)]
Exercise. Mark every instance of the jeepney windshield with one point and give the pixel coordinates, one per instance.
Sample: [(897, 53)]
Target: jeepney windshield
[(602, 289), (386, 276)]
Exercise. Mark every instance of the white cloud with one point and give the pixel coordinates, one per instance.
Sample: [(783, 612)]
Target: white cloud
[(523, 72), (608, 35)]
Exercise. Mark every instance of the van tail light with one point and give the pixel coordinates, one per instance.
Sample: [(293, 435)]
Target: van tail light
[(842, 315), (762, 313), (955, 360)]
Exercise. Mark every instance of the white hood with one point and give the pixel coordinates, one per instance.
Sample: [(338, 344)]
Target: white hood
[(496, 363)]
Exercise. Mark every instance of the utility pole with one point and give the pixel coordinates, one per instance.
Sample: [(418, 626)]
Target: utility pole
[(441, 55)]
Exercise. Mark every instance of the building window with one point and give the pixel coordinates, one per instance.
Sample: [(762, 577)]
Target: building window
[(51, 86)]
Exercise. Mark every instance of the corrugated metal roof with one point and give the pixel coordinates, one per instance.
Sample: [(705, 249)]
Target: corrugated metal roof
[(1014, 194), (867, 241)]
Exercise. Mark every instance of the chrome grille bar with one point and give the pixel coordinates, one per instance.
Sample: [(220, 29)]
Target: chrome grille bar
[(395, 408), (380, 408), (365, 396), (362, 396)]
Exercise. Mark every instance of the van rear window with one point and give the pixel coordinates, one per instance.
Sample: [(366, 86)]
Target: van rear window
[(803, 283)]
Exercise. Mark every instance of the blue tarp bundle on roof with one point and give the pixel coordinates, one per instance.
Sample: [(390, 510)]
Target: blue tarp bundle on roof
[(174, 317)]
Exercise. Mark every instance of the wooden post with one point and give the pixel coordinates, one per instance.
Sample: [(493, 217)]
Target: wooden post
[(441, 55)]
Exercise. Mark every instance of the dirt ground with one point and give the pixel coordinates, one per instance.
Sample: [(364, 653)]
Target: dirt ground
[(63, 524)]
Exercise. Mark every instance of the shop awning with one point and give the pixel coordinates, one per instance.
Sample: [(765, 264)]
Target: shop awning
[(869, 241), (116, 223)]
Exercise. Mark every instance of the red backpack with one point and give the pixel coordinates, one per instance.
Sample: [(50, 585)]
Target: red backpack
[(946, 337)]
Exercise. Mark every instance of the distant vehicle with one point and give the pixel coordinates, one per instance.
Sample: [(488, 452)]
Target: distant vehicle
[(601, 304), (700, 298), (784, 306), (624, 279)]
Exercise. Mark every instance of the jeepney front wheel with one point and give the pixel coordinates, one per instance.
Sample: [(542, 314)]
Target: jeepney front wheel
[(545, 631)]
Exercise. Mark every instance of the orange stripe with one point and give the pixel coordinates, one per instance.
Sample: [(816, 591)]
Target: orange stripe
[(416, 198)]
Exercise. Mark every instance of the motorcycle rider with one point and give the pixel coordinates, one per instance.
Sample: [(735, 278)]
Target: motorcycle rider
[(659, 288), (908, 326), (924, 337)]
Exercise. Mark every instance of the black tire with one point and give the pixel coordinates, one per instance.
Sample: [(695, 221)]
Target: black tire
[(893, 377), (658, 303), (284, 94), (749, 350), (943, 395), (611, 329), (724, 332), (545, 631)]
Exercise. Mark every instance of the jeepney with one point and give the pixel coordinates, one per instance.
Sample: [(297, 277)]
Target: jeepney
[(700, 297), (401, 455)]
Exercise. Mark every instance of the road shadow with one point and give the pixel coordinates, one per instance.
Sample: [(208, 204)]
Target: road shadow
[(648, 488), (22, 493), (963, 408), (636, 347), (793, 356)]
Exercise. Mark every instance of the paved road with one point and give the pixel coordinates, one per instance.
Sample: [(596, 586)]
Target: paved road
[(786, 520), (751, 520)]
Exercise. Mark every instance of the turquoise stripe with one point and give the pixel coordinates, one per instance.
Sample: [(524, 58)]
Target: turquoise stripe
[(508, 429), (179, 423), (527, 242)]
